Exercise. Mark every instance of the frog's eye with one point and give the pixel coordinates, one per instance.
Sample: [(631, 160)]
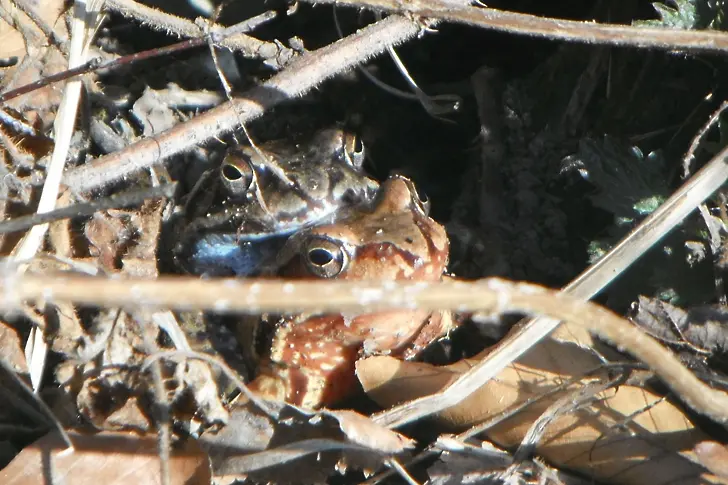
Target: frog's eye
[(236, 174), (354, 150), (325, 258)]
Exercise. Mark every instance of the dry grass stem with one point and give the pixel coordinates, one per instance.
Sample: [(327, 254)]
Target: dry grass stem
[(85, 17), (489, 295)]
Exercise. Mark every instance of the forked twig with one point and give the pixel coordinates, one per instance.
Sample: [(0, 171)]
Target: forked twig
[(173, 25), (299, 77)]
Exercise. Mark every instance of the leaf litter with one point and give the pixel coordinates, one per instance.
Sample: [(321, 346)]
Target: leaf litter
[(614, 426)]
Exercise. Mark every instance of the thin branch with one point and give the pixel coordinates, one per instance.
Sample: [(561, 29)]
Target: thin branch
[(699, 137), (490, 295), (557, 29), (161, 416), (116, 201), (299, 77), (98, 64), (88, 66), (248, 46)]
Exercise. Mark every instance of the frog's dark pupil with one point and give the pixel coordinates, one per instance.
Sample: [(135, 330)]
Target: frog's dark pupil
[(409, 240), (231, 172), (320, 256)]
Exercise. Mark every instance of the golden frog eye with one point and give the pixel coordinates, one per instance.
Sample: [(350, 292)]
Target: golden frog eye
[(237, 174), (325, 258)]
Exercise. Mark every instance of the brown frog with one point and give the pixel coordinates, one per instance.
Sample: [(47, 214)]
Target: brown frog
[(260, 195), (311, 359)]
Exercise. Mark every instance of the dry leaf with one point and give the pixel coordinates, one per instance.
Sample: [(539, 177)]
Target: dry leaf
[(11, 349), (490, 465), (141, 259), (108, 458), (300, 446), (11, 41), (630, 436), (153, 113), (363, 431), (109, 234), (714, 456), (700, 326)]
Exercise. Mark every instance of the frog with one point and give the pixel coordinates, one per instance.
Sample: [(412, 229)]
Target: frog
[(242, 213), (311, 357)]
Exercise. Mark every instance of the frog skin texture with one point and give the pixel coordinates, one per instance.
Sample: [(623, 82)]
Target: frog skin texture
[(311, 358), (242, 214)]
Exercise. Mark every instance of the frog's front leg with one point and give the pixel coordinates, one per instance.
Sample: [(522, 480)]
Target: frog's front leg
[(310, 362)]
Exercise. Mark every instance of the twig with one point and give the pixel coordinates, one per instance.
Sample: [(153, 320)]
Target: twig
[(98, 64), (300, 76), (697, 140), (248, 46), (89, 66), (117, 201), (585, 286), (490, 295), (161, 407), (557, 29)]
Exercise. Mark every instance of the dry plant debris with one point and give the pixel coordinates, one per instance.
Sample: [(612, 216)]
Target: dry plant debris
[(115, 458), (566, 155)]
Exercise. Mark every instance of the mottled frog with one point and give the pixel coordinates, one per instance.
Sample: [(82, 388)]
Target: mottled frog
[(311, 358), (260, 195)]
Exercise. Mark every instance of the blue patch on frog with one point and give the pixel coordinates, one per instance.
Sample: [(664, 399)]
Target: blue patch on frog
[(224, 254)]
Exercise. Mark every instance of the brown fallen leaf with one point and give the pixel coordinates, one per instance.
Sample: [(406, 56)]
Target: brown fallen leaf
[(629, 436), (11, 349), (714, 456), (108, 458), (11, 39), (362, 431), (486, 464), (301, 446)]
